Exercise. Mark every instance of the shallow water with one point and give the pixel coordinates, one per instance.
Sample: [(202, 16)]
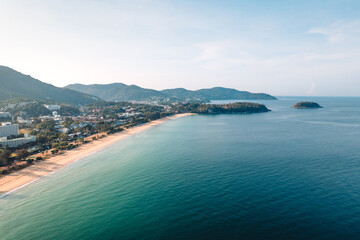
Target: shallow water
[(286, 174)]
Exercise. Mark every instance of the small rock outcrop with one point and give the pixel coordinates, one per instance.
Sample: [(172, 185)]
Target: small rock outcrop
[(307, 105)]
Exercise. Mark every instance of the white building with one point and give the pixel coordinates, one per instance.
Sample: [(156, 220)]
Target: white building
[(63, 130), (43, 118), (5, 115), (4, 142), (8, 129), (24, 121), (52, 107)]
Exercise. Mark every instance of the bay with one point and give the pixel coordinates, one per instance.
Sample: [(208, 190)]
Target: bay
[(286, 174)]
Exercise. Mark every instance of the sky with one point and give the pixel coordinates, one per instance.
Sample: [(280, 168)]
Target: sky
[(284, 48)]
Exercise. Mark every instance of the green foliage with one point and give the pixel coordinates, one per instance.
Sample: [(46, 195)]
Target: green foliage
[(32, 110), (4, 171), (47, 125), (68, 122), (117, 91), (22, 154), (30, 161), (238, 107), (307, 105), (47, 133), (164, 114), (46, 137), (67, 110), (8, 101), (152, 115), (54, 151), (216, 93), (4, 157)]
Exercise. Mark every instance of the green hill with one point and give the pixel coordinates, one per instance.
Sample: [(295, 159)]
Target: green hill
[(118, 92), (217, 93), (123, 92), (17, 85)]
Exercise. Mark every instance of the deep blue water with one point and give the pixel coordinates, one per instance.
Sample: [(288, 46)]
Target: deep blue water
[(286, 174)]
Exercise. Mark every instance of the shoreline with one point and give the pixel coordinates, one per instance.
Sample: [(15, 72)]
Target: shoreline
[(26, 176)]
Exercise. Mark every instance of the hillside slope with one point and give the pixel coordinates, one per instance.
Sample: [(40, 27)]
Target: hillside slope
[(118, 91), (17, 85)]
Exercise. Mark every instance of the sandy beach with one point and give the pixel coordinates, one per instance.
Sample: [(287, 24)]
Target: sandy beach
[(18, 179)]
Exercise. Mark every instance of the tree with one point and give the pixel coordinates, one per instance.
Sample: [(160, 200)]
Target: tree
[(152, 115), (67, 110), (63, 137), (32, 110), (68, 122), (22, 154), (4, 157), (54, 151), (47, 125)]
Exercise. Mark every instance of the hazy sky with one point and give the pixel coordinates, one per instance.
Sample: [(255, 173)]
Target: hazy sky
[(307, 47)]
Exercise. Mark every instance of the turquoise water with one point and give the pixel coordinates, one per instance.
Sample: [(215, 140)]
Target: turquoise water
[(285, 174)]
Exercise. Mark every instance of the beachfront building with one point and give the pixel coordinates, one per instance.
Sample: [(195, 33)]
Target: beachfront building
[(4, 142), (12, 130), (7, 129)]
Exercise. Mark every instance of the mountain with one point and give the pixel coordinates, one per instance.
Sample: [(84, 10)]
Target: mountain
[(123, 92), (17, 85), (118, 92)]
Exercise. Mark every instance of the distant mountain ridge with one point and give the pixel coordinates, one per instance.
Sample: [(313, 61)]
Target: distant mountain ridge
[(217, 93), (123, 92), (14, 84), (117, 91)]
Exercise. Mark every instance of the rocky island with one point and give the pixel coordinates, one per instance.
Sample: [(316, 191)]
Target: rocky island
[(307, 105)]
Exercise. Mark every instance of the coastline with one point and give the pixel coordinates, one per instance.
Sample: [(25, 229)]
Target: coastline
[(26, 176)]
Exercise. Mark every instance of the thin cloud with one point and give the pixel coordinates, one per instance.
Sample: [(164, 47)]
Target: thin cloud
[(339, 31)]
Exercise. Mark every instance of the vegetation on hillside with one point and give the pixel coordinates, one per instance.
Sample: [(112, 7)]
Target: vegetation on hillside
[(33, 109), (68, 110), (216, 93), (118, 92)]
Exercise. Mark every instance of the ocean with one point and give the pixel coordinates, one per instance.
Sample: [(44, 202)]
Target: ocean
[(286, 174)]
